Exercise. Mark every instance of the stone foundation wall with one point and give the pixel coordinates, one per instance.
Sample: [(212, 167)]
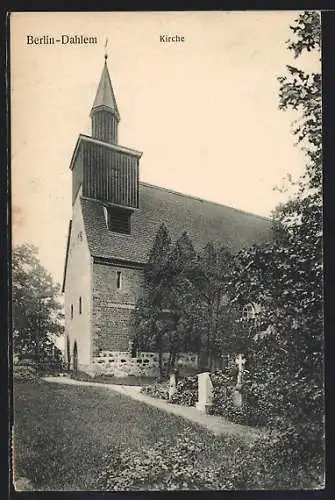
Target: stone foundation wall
[(121, 364)]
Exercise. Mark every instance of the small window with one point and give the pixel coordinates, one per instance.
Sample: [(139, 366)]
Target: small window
[(71, 311), (80, 305), (118, 279)]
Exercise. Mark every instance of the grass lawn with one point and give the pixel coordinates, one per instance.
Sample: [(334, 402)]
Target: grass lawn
[(62, 431)]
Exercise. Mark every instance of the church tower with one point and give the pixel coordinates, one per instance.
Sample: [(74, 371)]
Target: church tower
[(100, 290), (104, 170), (105, 115)]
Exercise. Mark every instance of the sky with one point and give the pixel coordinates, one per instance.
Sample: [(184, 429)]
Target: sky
[(204, 112)]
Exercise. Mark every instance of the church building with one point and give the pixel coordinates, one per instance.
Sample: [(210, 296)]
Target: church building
[(115, 218)]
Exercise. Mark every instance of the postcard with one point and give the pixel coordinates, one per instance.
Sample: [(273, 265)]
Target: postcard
[(167, 251)]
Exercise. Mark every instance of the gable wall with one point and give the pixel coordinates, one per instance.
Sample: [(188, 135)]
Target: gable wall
[(78, 284)]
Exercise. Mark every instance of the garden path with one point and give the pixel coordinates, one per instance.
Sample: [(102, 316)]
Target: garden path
[(215, 424)]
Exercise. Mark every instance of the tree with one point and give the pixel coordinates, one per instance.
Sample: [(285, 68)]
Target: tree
[(36, 311), (184, 305), (163, 313), (301, 91), (181, 299), (149, 321), (212, 279), (285, 378), (285, 275)]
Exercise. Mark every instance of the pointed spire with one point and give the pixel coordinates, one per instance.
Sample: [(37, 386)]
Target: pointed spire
[(105, 95), (104, 113)]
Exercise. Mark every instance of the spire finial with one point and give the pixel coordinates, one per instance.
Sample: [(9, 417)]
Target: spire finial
[(106, 55)]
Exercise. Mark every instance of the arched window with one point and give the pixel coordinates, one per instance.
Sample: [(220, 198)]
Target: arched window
[(248, 312), (80, 306), (251, 311), (71, 311)]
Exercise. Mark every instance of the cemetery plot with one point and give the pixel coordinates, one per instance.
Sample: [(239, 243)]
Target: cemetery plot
[(106, 441), (73, 427)]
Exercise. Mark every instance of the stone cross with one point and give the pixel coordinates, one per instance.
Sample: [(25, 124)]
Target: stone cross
[(205, 392), (240, 362), (173, 385)]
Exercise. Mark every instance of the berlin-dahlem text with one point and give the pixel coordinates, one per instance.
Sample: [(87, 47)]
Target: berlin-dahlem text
[(62, 40)]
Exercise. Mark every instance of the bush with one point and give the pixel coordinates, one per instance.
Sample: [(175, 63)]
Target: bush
[(25, 373), (51, 367), (186, 392), (283, 400), (159, 390), (257, 409), (271, 462), (45, 366), (224, 386), (265, 404), (82, 376), (27, 362), (187, 389), (161, 467)]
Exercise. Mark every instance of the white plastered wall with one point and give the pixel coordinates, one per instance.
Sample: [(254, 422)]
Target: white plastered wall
[(78, 284)]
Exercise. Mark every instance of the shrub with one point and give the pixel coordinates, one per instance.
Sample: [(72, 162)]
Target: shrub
[(25, 373), (27, 362), (186, 392), (270, 462), (44, 366), (158, 390), (164, 466), (187, 388), (250, 413), (82, 376), (51, 367), (285, 403), (223, 384)]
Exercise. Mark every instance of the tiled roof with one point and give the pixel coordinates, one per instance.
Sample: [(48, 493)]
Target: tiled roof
[(204, 221)]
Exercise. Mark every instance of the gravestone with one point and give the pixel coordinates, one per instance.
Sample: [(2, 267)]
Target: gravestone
[(240, 362), (237, 398), (205, 392), (237, 395), (172, 385)]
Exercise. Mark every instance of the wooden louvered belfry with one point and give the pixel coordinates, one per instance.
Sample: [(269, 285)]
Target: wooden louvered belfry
[(106, 171)]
